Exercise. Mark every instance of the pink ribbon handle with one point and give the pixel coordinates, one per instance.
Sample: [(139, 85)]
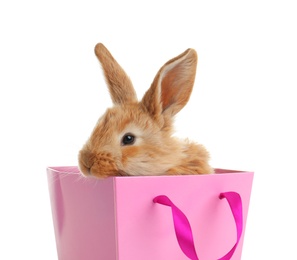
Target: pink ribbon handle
[(183, 229), (235, 203)]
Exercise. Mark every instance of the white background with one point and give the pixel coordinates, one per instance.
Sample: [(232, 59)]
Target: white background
[(243, 107)]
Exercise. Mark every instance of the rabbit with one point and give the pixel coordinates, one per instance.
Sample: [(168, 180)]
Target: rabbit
[(134, 138)]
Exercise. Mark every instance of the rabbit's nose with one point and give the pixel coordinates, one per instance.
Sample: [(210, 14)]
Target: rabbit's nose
[(88, 171), (86, 161)]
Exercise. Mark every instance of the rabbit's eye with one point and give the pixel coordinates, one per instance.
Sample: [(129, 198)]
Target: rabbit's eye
[(128, 139)]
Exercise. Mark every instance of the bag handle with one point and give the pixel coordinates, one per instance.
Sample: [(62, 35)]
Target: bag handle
[(183, 229)]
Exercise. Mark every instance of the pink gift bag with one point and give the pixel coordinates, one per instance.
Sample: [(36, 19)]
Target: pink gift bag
[(197, 217)]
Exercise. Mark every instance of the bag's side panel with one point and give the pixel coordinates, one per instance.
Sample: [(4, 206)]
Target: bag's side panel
[(145, 230), (83, 215)]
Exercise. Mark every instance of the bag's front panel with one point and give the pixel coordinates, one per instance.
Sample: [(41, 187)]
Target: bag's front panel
[(146, 231), (143, 230), (83, 214)]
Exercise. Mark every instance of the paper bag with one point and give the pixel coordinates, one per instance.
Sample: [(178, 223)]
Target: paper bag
[(149, 217)]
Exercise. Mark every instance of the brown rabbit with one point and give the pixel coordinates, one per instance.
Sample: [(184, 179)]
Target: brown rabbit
[(135, 138)]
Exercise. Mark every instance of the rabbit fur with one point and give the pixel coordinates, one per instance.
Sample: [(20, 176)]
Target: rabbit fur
[(135, 137)]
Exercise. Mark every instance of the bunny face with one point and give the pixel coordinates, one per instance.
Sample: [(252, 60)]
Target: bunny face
[(125, 141), (135, 137)]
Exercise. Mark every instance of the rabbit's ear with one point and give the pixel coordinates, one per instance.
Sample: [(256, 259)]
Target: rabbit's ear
[(119, 84), (172, 86)]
